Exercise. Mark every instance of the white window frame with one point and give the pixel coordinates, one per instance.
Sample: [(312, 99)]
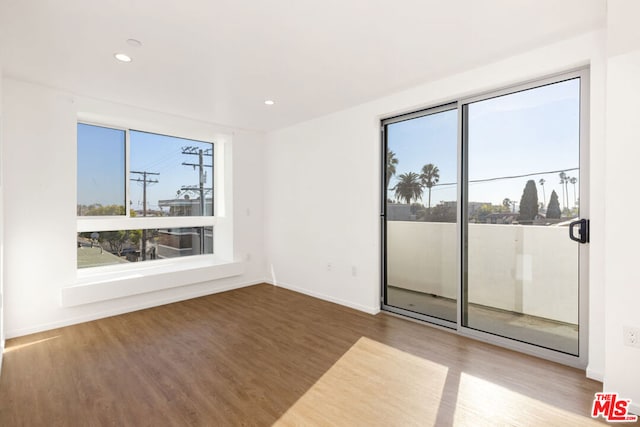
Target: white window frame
[(126, 222), (93, 284)]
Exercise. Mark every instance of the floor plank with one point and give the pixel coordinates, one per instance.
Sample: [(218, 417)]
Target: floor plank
[(253, 355)]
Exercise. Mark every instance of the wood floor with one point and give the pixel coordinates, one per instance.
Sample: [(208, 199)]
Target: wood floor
[(263, 355)]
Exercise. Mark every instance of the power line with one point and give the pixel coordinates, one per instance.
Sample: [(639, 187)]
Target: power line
[(194, 188), (508, 177)]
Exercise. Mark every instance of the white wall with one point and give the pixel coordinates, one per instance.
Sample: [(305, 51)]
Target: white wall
[(597, 232), (1, 235), (39, 163), (622, 203), (322, 190)]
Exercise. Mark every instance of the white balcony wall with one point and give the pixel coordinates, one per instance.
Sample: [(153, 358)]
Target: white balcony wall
[(540, 278), (422, 257)]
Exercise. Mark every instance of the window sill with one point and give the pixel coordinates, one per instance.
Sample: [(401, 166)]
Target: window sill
[(102, 286)]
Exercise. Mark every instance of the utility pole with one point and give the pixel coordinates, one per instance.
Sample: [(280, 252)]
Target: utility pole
[(144, 180), (195, 151)]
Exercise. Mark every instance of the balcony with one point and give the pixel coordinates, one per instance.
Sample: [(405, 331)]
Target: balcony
[(536, 294)]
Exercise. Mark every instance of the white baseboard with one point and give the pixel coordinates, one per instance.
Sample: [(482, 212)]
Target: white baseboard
[(595, 375), (369, 310), (128, 309)]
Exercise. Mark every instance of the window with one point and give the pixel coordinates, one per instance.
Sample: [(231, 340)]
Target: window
[(142, 196), (99, 248)]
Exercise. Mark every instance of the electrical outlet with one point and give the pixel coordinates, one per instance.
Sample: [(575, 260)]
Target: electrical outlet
[(329, 266), (631, 336)]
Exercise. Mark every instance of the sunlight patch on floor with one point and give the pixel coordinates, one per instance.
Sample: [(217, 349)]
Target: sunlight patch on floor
[(27, 344), (483, 402), (374, 384)]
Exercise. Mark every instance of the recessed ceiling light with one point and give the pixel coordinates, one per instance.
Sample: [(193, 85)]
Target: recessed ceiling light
[(122, 57), (134, 42), (269, 102)]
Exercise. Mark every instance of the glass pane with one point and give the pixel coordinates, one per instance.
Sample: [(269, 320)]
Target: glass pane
[(101, 176), (170, 176), (524, 177), (125, 246), (421, 215)]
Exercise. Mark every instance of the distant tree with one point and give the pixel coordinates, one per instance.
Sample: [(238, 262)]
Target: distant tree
[(429, 177), (408, 187), (544, 196), (417, 209), (99, 210), (391, 165), (483, 212), (553, 210), (529, 202), (115, 240), (574, 181), (441, 213), (506, 203)]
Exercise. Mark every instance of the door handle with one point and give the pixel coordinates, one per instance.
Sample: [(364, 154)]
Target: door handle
[(584, 231)]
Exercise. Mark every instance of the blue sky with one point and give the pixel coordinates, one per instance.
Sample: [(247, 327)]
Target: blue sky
[(163, 154), (523, 133), (101, 153), (428, 139)]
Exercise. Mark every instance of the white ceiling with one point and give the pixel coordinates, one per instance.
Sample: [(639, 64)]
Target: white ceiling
[(218, 60)]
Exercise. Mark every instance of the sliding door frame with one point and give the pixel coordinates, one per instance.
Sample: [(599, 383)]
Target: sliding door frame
[(579, 361), (383, 214)]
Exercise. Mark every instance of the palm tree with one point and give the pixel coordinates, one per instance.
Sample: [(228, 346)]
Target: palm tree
[(507, 204), (574, 180), (566, 188), (391, 165), (408, 187), (563, 181), (544, 197), (429, 177)]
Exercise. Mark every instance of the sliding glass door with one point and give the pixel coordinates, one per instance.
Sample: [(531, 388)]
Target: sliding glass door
[(421, 214), (483, 216), (522, 193)]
